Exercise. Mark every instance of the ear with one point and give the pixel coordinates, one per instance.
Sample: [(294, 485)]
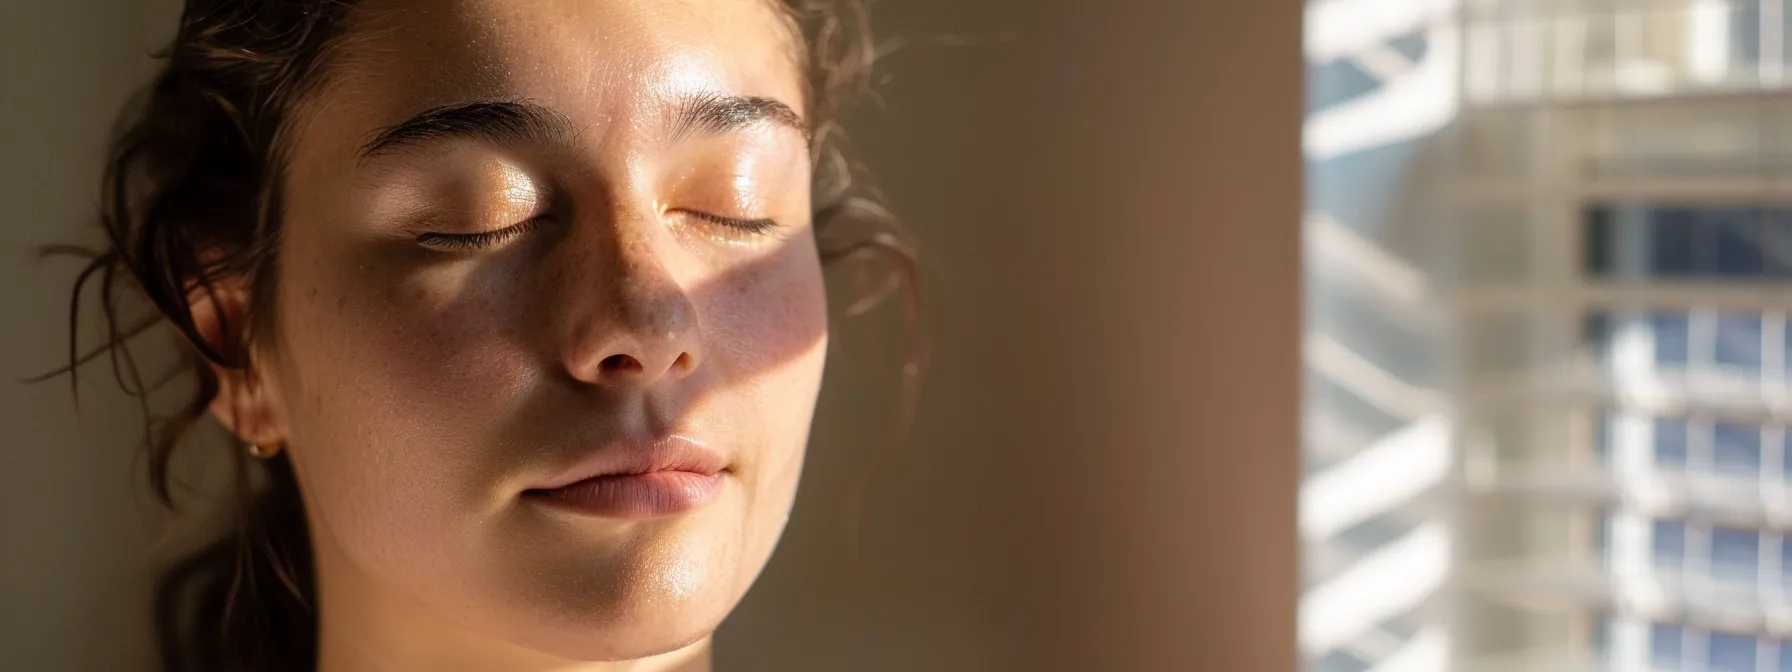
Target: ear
[(246, 403)]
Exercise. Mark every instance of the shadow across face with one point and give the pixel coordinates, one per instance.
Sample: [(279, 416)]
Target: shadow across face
[(437, 360)]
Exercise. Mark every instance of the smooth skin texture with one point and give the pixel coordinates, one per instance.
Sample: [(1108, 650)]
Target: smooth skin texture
[(428, 364)]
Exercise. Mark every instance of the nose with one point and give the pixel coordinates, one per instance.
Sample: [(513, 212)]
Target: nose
[(632, 324)]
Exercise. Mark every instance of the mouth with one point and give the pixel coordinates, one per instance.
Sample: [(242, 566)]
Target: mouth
[(634, 480)]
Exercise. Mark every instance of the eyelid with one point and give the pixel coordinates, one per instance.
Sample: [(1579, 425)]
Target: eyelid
[(518, 189), (481, 240), (758, 225)]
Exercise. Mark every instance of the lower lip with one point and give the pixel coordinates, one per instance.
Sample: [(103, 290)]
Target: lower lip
[(660, 493)]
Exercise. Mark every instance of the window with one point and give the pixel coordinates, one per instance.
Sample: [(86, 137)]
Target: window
[(1738, 341), (1614, 342), (1670, 442), (1736, 449), (1730, 653), (1667, 644), (1685, 242), (1669, 543), (1671, 332), (1735, 555)]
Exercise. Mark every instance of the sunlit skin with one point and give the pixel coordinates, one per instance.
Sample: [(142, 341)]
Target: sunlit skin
[(427, 364)]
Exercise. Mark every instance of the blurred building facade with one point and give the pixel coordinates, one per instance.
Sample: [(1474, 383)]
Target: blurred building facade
[(1550, 263)]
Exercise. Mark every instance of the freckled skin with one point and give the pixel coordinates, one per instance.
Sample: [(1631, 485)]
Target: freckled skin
[(438, 386)]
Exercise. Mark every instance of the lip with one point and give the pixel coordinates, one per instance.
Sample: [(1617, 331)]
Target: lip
[(637, 479)]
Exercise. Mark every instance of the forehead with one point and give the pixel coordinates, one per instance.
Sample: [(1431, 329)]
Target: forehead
[(601, 63)]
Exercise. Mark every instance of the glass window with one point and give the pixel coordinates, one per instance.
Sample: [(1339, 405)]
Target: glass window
[(1413, 45), (1602, 438), (1785, 567), (1665, 645), (1739, 341), (1730, 653), (1374, 532), (1340, 661), (1776, 241), (1785, 442), (1602, 535), (1335, 83), (1736, 449), (1735, 554), (1785, 346), (1684, 242), (1671, 344), (1668, 541), (1673, 243), (1598, 242), (1602, 637), (1735, 234), (1745, 34), (1597, 329), (1670, 441)]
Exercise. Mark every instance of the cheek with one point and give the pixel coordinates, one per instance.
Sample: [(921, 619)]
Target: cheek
[(770, 335), (770, 317), (400, 381)]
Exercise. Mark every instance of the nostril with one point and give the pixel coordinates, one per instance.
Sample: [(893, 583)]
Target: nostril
[(620, 364)]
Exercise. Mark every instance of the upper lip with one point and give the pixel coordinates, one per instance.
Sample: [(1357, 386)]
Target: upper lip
[(673, 452)]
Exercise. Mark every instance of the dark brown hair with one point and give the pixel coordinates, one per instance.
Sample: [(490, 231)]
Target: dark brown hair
[(192, 197)]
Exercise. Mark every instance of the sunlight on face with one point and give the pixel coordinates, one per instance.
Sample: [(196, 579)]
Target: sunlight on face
[(529, 237)]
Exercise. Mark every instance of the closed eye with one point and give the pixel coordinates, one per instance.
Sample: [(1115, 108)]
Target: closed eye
[(761, 225), (478, 241)]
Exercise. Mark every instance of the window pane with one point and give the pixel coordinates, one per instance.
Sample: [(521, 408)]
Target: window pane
[(1735, 233), (1602, 438), (1786, 445), (1736, 449), (1734, 555), (1785, 567), (1776, 241), (1672, 244), (1668, 541), (1745, 32), (1731, 653), (1337, 82), (1664, 646), (1670, 441), (1785, 345), (1340, 661), (1596, 332), (1597, 244), (1739, 341), (1602, 535), (1670, 331)]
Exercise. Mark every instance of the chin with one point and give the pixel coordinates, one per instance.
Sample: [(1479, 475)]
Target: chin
[(628, 613), (615, 635), (608, 643)]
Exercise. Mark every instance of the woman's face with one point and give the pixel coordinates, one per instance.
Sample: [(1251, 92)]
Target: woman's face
[(532, 241)]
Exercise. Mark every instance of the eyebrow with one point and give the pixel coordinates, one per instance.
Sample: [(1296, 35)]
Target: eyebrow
[(500, 121), (712, 113)]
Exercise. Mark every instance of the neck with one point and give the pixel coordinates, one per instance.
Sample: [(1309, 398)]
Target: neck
[(364, 628)]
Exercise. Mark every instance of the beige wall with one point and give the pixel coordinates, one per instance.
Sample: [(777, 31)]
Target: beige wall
[(1105, 468), (74, 538), (1103, 474)]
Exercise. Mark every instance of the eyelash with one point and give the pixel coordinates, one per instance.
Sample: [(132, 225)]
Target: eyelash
[(488, 239), (758, 226), (478, 241)]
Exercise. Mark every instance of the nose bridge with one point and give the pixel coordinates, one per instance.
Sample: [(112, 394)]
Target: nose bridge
[(648, 295), (633, 320)]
